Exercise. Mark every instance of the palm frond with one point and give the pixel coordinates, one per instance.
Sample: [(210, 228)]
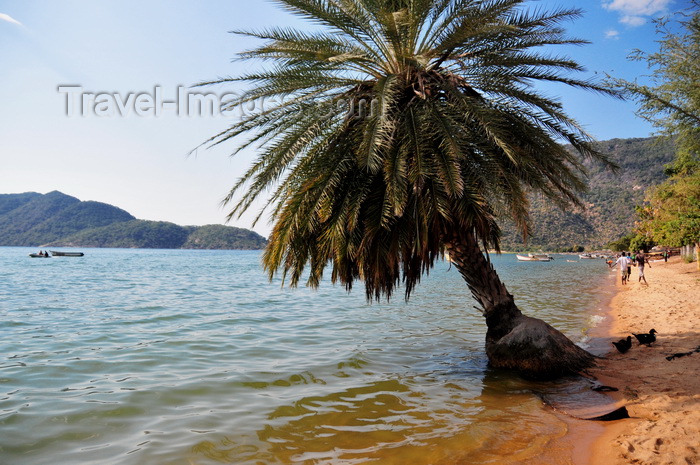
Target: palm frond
[(395, 126)]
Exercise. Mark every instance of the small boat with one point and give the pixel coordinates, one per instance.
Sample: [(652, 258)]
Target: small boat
[(38, 255), (541, 257), (587, 255), (66, 254)]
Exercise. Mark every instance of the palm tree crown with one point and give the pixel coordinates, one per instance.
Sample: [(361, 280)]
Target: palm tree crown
[(394, 125)]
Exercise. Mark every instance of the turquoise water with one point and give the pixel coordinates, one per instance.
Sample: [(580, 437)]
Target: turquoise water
[(193, 357)]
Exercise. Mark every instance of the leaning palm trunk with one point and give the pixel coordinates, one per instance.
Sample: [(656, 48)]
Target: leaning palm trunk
[(513, 340)]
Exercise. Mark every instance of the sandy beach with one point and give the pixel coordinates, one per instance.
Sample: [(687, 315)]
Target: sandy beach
[(661, 395)]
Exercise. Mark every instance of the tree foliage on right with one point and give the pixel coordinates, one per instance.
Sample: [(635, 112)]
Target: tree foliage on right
[(671, 214)]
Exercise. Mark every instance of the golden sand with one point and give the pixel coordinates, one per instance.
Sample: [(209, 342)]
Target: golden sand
[(662, 396)]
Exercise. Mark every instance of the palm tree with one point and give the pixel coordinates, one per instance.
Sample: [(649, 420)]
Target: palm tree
[(396, 130)]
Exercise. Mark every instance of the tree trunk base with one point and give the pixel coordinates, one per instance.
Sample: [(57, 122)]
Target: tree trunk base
[(536, 350)]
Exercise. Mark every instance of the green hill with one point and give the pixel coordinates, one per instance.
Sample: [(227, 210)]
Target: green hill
[(9, 202), (609, 204), (134, 234), (37, 219), (219, 237), (59, 220)]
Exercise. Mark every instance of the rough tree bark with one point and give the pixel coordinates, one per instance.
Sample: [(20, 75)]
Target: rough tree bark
[(513, 340)]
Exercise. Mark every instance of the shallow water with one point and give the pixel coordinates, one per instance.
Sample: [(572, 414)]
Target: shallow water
[(193, 357)]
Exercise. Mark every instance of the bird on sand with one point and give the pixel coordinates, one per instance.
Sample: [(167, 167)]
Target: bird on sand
[(623, 345), (646, 339)]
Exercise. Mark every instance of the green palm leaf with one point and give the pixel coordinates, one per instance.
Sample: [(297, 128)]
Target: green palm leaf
[(396, 126)]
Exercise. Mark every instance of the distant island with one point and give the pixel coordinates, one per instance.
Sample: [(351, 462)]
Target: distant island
[(59, 220)]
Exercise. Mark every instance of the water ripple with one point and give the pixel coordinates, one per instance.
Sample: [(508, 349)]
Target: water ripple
[(134, 356)]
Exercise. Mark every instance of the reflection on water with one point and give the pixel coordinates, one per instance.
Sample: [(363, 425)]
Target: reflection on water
[(394, 422), (399, 422), (191, 357)]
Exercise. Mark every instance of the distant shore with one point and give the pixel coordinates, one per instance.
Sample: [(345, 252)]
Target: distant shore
[(662, 396)]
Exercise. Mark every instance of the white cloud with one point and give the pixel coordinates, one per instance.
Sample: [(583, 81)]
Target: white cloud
[(9, 19), (636, 12), (612, 34), (632, 20)]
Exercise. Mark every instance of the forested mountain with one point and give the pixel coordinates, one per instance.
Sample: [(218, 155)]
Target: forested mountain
[(9, 202), (56, 219), (609, 204), (33, 219), (217, 236), (139, 234)]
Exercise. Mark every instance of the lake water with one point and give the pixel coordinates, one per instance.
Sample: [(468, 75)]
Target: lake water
[(193, 357)]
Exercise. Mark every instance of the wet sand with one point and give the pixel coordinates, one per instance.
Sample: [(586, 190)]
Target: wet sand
[(661, 395)]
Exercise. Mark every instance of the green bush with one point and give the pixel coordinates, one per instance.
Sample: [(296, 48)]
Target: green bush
[(622, 244), (640, 242)]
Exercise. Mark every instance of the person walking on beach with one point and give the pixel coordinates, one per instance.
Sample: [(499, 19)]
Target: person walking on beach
[(641, 259), (622, 262), (630, 261)]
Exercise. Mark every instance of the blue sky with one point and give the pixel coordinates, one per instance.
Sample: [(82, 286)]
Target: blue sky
[(140, 162)]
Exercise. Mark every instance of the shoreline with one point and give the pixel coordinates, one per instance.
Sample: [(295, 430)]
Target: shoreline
[(575, 446), (662, 396)]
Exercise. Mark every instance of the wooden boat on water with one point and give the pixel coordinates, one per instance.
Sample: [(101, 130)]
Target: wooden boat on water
[(540, 257), (56, 253)]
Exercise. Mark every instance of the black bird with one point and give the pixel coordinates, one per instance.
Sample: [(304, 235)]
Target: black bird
[(623, 345), (646, 339)]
